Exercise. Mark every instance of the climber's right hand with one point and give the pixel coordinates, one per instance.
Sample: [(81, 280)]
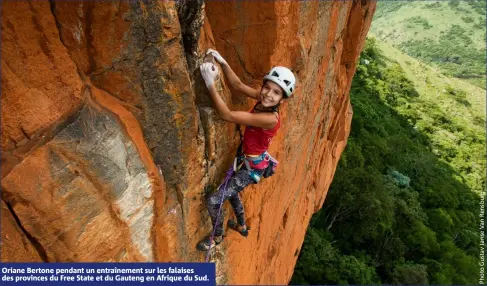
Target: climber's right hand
[(209, 72), (217, 56)]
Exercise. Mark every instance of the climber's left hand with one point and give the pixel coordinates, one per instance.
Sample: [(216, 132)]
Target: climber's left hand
[(209, 72), (217, 56)]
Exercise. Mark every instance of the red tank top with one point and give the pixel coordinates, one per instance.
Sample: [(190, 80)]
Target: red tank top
[(256, 140)]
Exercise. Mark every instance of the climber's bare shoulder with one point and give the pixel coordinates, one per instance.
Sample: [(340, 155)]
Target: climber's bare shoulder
[(264, 120)]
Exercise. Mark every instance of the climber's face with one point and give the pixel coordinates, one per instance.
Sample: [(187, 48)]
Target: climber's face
[(270, 94)]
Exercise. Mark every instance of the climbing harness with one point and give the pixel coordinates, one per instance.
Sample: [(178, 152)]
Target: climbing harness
[(263, 161)]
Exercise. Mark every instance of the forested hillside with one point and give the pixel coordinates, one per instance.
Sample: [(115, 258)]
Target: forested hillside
[(447, 34), (403, 207)]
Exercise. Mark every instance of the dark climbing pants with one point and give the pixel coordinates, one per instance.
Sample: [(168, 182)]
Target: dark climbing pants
[(235, 185)]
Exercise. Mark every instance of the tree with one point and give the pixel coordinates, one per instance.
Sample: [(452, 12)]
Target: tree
[(410, 274)]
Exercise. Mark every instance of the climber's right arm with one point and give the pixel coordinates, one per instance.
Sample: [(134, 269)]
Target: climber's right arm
[(265, 120), (235, 83)]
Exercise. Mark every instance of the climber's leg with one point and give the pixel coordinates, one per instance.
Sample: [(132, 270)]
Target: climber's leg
[(238, 208), (213, 205), (237, 184)]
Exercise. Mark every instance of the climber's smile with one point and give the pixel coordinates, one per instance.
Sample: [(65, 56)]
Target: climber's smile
[(270, 94)]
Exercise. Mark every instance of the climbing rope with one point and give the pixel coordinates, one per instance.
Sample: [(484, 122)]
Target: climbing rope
[(222, 190)]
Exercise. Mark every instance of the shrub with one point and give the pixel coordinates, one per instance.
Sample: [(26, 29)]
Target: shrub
[(453, 3), (399, 179), (479, 6), (433, 5), (458, 95), (410, 274), (467, 19), (420, 21)]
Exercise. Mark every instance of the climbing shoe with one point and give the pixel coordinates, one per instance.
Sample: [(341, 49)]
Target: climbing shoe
[(244, 231), (206, 243)]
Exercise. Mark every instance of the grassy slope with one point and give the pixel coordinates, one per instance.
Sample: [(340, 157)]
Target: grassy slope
[(399, 22), (463, 104)]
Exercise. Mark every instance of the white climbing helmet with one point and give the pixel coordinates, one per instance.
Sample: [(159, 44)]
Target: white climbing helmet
[(284, 77)]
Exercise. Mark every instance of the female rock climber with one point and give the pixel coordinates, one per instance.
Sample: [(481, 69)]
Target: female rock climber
[(262, 123)]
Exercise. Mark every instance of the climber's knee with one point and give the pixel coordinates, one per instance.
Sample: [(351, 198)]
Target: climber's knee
[(213, 201)]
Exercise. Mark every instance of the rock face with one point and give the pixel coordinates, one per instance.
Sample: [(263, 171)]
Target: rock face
[(110, 143)]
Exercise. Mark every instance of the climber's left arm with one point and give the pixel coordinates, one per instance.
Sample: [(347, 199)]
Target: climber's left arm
[(263, 120)]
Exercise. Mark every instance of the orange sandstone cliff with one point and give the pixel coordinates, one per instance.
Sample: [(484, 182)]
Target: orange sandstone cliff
[(110, 142)]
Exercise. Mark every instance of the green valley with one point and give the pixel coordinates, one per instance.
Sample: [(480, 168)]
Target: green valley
[(450, 35), (403, 207)]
